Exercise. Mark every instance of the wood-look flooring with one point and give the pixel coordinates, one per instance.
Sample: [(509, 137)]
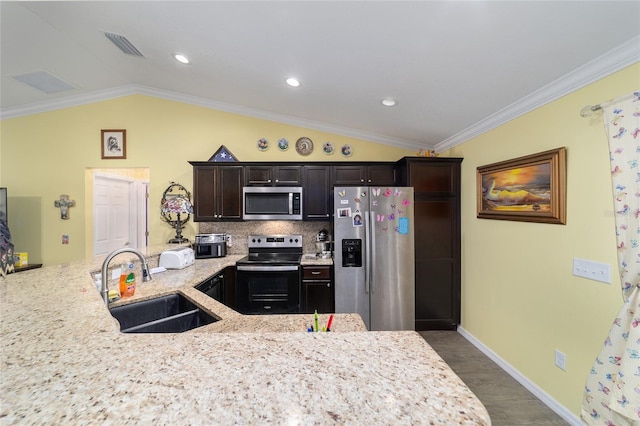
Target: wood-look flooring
[(507, 401)]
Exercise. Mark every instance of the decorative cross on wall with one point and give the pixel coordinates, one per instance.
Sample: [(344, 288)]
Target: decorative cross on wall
[(64, 203)]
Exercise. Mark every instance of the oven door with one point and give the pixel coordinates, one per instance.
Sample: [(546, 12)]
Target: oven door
[(268, 289)]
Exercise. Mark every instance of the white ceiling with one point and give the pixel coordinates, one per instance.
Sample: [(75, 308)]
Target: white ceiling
[(456, 68)]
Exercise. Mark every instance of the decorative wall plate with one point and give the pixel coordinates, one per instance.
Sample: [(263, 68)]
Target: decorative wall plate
[(328, 148), (262, 144), (304, 146), (283, 144), (346, 150)]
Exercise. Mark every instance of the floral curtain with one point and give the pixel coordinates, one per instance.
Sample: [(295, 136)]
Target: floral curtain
[(612, 391)]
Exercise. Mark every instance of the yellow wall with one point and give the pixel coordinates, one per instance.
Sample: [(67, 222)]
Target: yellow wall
[(519, 297), (48, 154)]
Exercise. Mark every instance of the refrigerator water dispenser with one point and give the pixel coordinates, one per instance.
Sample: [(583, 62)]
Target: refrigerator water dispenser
[(352, 253)]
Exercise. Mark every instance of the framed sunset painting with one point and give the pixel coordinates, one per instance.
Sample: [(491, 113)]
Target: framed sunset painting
[(528, 189)]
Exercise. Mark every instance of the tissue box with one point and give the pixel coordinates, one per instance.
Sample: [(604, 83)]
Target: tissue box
[(20, 259)]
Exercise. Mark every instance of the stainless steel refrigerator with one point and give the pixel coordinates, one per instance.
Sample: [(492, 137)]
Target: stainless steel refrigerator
[(374, 255)]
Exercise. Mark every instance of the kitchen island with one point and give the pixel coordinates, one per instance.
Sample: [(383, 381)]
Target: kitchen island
[(65, 361)]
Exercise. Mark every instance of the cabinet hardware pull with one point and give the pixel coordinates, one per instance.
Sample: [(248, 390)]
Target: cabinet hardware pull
[(315, 272)]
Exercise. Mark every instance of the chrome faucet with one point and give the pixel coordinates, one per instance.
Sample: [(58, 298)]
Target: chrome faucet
[(146, 275)]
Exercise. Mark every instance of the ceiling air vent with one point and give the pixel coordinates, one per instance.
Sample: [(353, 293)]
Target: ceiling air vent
[(42, 80), (124, 44)]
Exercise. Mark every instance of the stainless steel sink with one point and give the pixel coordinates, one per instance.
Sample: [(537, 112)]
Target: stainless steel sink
[(173, 313)]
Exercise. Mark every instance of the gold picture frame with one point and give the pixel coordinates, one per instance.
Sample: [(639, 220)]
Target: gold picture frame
[(527, 189), (114, 144)]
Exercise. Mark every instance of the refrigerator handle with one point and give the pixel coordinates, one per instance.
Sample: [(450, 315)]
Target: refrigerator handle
[(372, 244), (367, 254)]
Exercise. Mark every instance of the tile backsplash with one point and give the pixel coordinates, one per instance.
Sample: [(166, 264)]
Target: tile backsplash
[(240, 231)]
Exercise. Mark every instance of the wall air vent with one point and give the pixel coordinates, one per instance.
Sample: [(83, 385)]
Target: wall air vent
[(123, 44)]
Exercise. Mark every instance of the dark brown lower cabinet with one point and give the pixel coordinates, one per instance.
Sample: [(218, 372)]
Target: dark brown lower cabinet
[(317, 289)]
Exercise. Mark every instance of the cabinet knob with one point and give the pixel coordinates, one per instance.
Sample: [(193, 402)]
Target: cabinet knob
[(277, 180), (329, 285), (361, 180)]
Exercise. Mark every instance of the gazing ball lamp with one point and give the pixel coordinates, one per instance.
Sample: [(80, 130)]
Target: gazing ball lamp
[(176, 209)]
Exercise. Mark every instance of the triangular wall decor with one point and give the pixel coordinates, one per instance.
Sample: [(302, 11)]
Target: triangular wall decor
[(223, 155)]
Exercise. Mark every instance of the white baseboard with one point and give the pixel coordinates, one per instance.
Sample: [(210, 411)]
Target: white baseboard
[(547, 399)]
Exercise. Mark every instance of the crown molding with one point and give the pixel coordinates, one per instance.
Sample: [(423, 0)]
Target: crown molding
[(616, 59), (68, 102)]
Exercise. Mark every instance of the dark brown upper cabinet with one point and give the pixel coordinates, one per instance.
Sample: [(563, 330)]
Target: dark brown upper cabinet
[(364, 174), (269, 175), (317, 194), (217, 192)]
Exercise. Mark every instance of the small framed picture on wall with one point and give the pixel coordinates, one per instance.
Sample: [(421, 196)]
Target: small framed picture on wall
[(114, 144)]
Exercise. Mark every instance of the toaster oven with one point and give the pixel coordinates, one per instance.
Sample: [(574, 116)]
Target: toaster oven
[(210, 245)]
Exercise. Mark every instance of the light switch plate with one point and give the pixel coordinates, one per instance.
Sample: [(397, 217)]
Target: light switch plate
[(561, 360), (592, 270)]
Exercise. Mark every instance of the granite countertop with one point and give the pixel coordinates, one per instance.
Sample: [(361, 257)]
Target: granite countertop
[(65, 361), (312, 259)]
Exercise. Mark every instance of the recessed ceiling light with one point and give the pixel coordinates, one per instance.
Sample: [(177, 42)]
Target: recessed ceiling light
[(181, 58), (293, 82), (389, 102)]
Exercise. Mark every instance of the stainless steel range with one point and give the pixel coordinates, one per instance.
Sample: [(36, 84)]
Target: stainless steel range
[(268, 279)]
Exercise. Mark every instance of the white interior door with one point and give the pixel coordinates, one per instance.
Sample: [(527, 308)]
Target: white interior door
[(119, 213)]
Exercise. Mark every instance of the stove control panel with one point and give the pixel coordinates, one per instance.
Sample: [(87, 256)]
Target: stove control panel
[(274, 241)]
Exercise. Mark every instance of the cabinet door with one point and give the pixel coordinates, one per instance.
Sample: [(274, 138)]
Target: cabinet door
[(317, 295), (287, 175), (433, 177), (258, 175), (204, 192), (317, 195), (317, 290), (381, 174), (437, 265), (229, 192), (349, 175)]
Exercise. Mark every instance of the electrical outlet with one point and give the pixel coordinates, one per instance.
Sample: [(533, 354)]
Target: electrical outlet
[(592, 270), (561, 360), (229, 241)]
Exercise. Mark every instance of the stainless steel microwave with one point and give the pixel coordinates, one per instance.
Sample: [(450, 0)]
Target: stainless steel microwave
[(272, 203)]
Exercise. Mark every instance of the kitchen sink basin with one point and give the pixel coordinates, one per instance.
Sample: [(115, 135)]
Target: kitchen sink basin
[(173, 313)]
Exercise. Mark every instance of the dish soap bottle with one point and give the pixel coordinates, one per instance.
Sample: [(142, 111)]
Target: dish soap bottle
[(127, 280)]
